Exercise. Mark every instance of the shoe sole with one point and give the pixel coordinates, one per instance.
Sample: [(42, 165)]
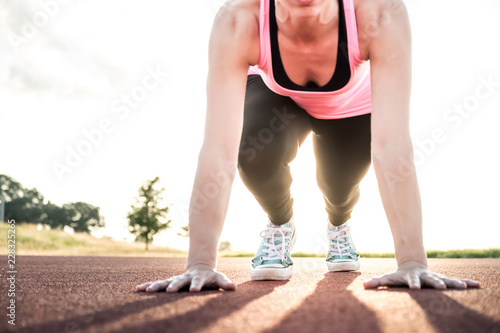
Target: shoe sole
[(345, 266), (279, 274), (258, 274)]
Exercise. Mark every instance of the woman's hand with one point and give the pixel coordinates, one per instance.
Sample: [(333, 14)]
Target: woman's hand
[(415, 275), (195, 278)]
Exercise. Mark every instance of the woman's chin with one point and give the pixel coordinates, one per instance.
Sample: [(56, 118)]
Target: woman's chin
[(305, 2)]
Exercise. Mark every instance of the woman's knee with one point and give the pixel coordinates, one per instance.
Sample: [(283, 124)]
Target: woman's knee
[(340, 196)]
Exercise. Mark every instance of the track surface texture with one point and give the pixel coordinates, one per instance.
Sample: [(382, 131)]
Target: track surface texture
[(96, 294)]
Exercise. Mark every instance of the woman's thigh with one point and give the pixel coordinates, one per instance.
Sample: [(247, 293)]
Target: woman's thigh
[(343, 156), (274, 126)]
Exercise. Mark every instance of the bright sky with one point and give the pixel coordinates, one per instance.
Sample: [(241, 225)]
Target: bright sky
[(66, 75)]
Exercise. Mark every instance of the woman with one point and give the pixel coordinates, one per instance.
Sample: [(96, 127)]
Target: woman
[(279, 69)]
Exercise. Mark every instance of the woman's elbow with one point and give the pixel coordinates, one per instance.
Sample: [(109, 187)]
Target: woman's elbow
[(393, 152)]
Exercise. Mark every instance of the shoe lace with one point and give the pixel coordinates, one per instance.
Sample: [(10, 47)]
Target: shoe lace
[(272, 250), (340, 244)]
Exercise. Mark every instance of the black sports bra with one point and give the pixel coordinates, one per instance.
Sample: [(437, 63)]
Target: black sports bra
[(342, 73)]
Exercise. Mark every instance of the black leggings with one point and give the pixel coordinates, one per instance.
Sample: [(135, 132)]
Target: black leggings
[(273, 130)]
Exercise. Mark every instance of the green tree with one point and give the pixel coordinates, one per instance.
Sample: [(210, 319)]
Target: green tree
[(83, 217), (21, 204), (185, 231), (54, 216), (27, 205), (10, 189), (225, 246), (147, 217)]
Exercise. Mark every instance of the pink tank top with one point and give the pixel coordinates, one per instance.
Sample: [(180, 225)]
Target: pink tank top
[(353, 99)]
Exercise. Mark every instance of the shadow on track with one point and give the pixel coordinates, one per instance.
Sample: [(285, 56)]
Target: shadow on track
[(223, 305), (220, 306), (330, 308), (79, 323), (449, 316)]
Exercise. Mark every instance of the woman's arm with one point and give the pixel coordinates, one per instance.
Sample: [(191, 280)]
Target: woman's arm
[(390, 61), (231, 51), (392, 151)]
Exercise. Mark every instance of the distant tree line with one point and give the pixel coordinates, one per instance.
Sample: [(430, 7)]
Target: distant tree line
[(28, 205)]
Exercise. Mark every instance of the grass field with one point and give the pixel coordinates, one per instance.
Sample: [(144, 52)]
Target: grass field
[(31, 241)]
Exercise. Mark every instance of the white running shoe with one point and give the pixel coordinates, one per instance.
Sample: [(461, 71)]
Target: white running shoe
[(273, 261), (342, 255)]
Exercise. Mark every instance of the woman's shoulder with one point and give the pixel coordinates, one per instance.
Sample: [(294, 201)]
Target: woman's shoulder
[(238, 18), (372, 16), (236, 25), (236, 11), (373, 13)]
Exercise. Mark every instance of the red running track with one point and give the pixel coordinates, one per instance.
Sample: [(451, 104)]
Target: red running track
[(96, 294)]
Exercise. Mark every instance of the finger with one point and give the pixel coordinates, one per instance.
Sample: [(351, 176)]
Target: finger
[(463, 283), (158, 286), (196, 284), (372, 283), (179, 283), (224, 282), (413, 281), (433, 281), (454, 283), (392, 279), (472, 283), (143, 286)]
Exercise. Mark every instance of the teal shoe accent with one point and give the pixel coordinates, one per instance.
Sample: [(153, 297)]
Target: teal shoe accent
[(273, 260), (342, 255)]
